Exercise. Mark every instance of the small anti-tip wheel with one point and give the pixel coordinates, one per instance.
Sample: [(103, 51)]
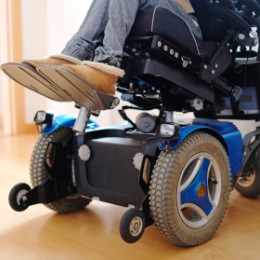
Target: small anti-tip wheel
[(132, 225), (17, 200)]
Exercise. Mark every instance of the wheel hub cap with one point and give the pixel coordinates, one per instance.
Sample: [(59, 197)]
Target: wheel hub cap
[(199, 190), (136, 226)]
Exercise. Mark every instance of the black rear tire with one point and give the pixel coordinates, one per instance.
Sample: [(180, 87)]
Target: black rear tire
[(189, 190), (249, 185)]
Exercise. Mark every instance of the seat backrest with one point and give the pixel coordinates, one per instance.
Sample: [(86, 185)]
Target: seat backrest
[(216, 17), (175, 29)]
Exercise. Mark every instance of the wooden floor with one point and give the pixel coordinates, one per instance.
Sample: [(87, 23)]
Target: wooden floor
[(38, 233)]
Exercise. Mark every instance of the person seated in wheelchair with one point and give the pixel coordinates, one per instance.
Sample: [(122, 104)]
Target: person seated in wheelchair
[(89, 65), (95, 52)]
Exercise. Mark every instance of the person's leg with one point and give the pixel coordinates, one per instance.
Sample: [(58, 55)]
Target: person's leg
[(90, 33), (106, 25), (81, 46), (121, 18), (122, 15)]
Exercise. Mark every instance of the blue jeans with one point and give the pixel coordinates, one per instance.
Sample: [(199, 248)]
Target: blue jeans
[(102, 35)]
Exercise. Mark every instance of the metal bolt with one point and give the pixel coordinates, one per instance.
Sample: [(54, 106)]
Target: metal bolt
[(241, 36)]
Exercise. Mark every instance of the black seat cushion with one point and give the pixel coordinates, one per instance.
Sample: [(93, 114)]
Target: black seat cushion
[(168, 25)]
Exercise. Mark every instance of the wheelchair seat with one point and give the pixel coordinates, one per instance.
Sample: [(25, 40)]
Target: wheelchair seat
[(159, 22), (215, 21), (168, 66)]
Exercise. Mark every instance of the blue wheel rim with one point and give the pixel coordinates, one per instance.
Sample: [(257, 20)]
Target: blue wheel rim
[(199, 190)]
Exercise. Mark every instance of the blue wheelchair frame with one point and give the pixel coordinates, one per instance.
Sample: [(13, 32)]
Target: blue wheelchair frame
[(226, 132)]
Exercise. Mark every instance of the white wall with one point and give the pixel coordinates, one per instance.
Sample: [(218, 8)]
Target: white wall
[(3, 54), (2, 51), (47, 26), (4, 90), (34, 39)]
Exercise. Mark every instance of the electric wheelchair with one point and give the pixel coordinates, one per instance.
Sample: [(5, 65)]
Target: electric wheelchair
[(175, 175)]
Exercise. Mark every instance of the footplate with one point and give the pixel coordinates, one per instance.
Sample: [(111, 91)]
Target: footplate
[(80, 90), (31, 79)]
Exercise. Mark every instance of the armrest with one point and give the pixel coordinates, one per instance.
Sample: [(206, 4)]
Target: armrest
[(234, 20)]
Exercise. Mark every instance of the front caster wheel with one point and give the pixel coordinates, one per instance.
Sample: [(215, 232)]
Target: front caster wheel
[(132, 225), (17, 198)]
